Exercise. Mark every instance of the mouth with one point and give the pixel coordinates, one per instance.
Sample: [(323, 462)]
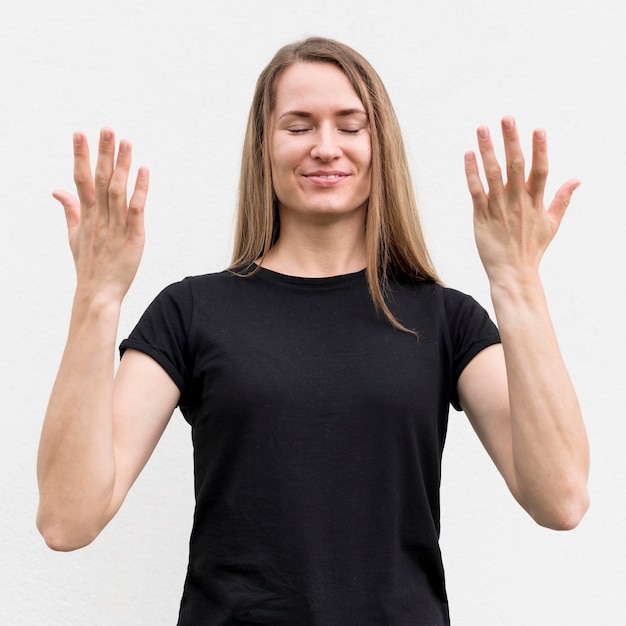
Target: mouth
[(330, 174), (325, 178)]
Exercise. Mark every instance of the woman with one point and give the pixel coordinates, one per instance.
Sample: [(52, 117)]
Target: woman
[(317, 371)]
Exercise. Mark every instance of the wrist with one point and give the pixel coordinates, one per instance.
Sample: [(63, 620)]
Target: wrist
[(101, 304), (516, 287)]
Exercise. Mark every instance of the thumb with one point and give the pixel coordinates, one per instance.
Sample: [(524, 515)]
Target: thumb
[(71, 207), (561, 201)]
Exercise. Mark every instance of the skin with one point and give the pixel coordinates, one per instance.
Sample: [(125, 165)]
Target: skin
[(518, 396), (93, 445), (318, 128)]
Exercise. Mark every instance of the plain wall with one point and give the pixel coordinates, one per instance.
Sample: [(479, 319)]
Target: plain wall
[(177, 79)]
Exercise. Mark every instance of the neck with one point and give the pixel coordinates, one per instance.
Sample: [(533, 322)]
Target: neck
[(318, 250)]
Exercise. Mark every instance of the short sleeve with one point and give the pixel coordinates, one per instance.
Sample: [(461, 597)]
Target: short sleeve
[(471, 330), (162, 332)]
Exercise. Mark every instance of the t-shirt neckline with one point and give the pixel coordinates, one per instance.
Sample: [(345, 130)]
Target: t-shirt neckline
[(322, 281)]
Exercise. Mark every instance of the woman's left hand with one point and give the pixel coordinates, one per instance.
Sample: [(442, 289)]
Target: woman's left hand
[(512, 227), (519, 397)]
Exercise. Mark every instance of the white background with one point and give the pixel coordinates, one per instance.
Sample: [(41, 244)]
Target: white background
[(177, 79)]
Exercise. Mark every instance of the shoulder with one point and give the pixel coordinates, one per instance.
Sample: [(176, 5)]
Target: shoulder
[(433, 295), (458, 303), (460, 314), (189, 286)]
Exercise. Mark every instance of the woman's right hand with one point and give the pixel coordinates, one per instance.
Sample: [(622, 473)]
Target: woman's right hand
[(106, 233)]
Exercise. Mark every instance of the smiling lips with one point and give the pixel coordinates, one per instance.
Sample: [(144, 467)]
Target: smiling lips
[(325, 179)]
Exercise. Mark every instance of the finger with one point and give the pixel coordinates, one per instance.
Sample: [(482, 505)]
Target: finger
[(71, 207), (561, 201), (493, 173), (539, 168), (82, 171), (104, 170), (135, 227), (514, 156), (119, 181), (474, 184)]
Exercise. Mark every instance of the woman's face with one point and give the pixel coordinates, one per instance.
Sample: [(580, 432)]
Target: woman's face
[(320, 143)]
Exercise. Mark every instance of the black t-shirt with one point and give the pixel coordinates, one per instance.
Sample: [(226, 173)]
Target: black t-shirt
[(318, 431)]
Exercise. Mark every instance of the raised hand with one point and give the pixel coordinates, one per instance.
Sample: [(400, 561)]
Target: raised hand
[(519, 397), (512, 227), (105, 231)]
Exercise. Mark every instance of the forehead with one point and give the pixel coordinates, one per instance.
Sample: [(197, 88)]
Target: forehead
[(305, 85)]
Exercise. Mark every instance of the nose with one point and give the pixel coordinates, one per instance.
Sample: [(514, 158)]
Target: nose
[(326, 146)]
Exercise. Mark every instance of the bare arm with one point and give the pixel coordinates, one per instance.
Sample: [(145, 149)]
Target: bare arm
[(519, 397), (98, 432)]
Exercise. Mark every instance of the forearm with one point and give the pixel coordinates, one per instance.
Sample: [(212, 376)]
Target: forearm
[(76, 464), (549, 442)]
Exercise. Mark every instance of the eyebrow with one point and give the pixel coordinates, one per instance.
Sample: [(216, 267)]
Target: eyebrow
[(340, 113)]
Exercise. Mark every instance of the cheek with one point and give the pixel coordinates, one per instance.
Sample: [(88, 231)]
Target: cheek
[(282, 158), (277, 166), (366, 185), (367, 152), (363, 155), (367, 163), (282, 180), (285, 160)]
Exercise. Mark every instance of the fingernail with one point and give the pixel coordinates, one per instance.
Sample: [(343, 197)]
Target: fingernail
[(483, 132), (508, 123), (105, 134), (540, 134), (76, 139), (123, 146)]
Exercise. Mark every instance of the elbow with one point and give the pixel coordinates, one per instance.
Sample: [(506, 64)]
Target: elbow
[(566, 513), (63, 537), (565, 520), (573, 514), (71, 524), (61, 543)]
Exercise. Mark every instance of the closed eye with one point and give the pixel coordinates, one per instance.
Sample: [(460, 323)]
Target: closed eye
[(298, 130)]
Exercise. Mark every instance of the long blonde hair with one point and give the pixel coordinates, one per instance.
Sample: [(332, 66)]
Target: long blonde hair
[(394, 239)]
